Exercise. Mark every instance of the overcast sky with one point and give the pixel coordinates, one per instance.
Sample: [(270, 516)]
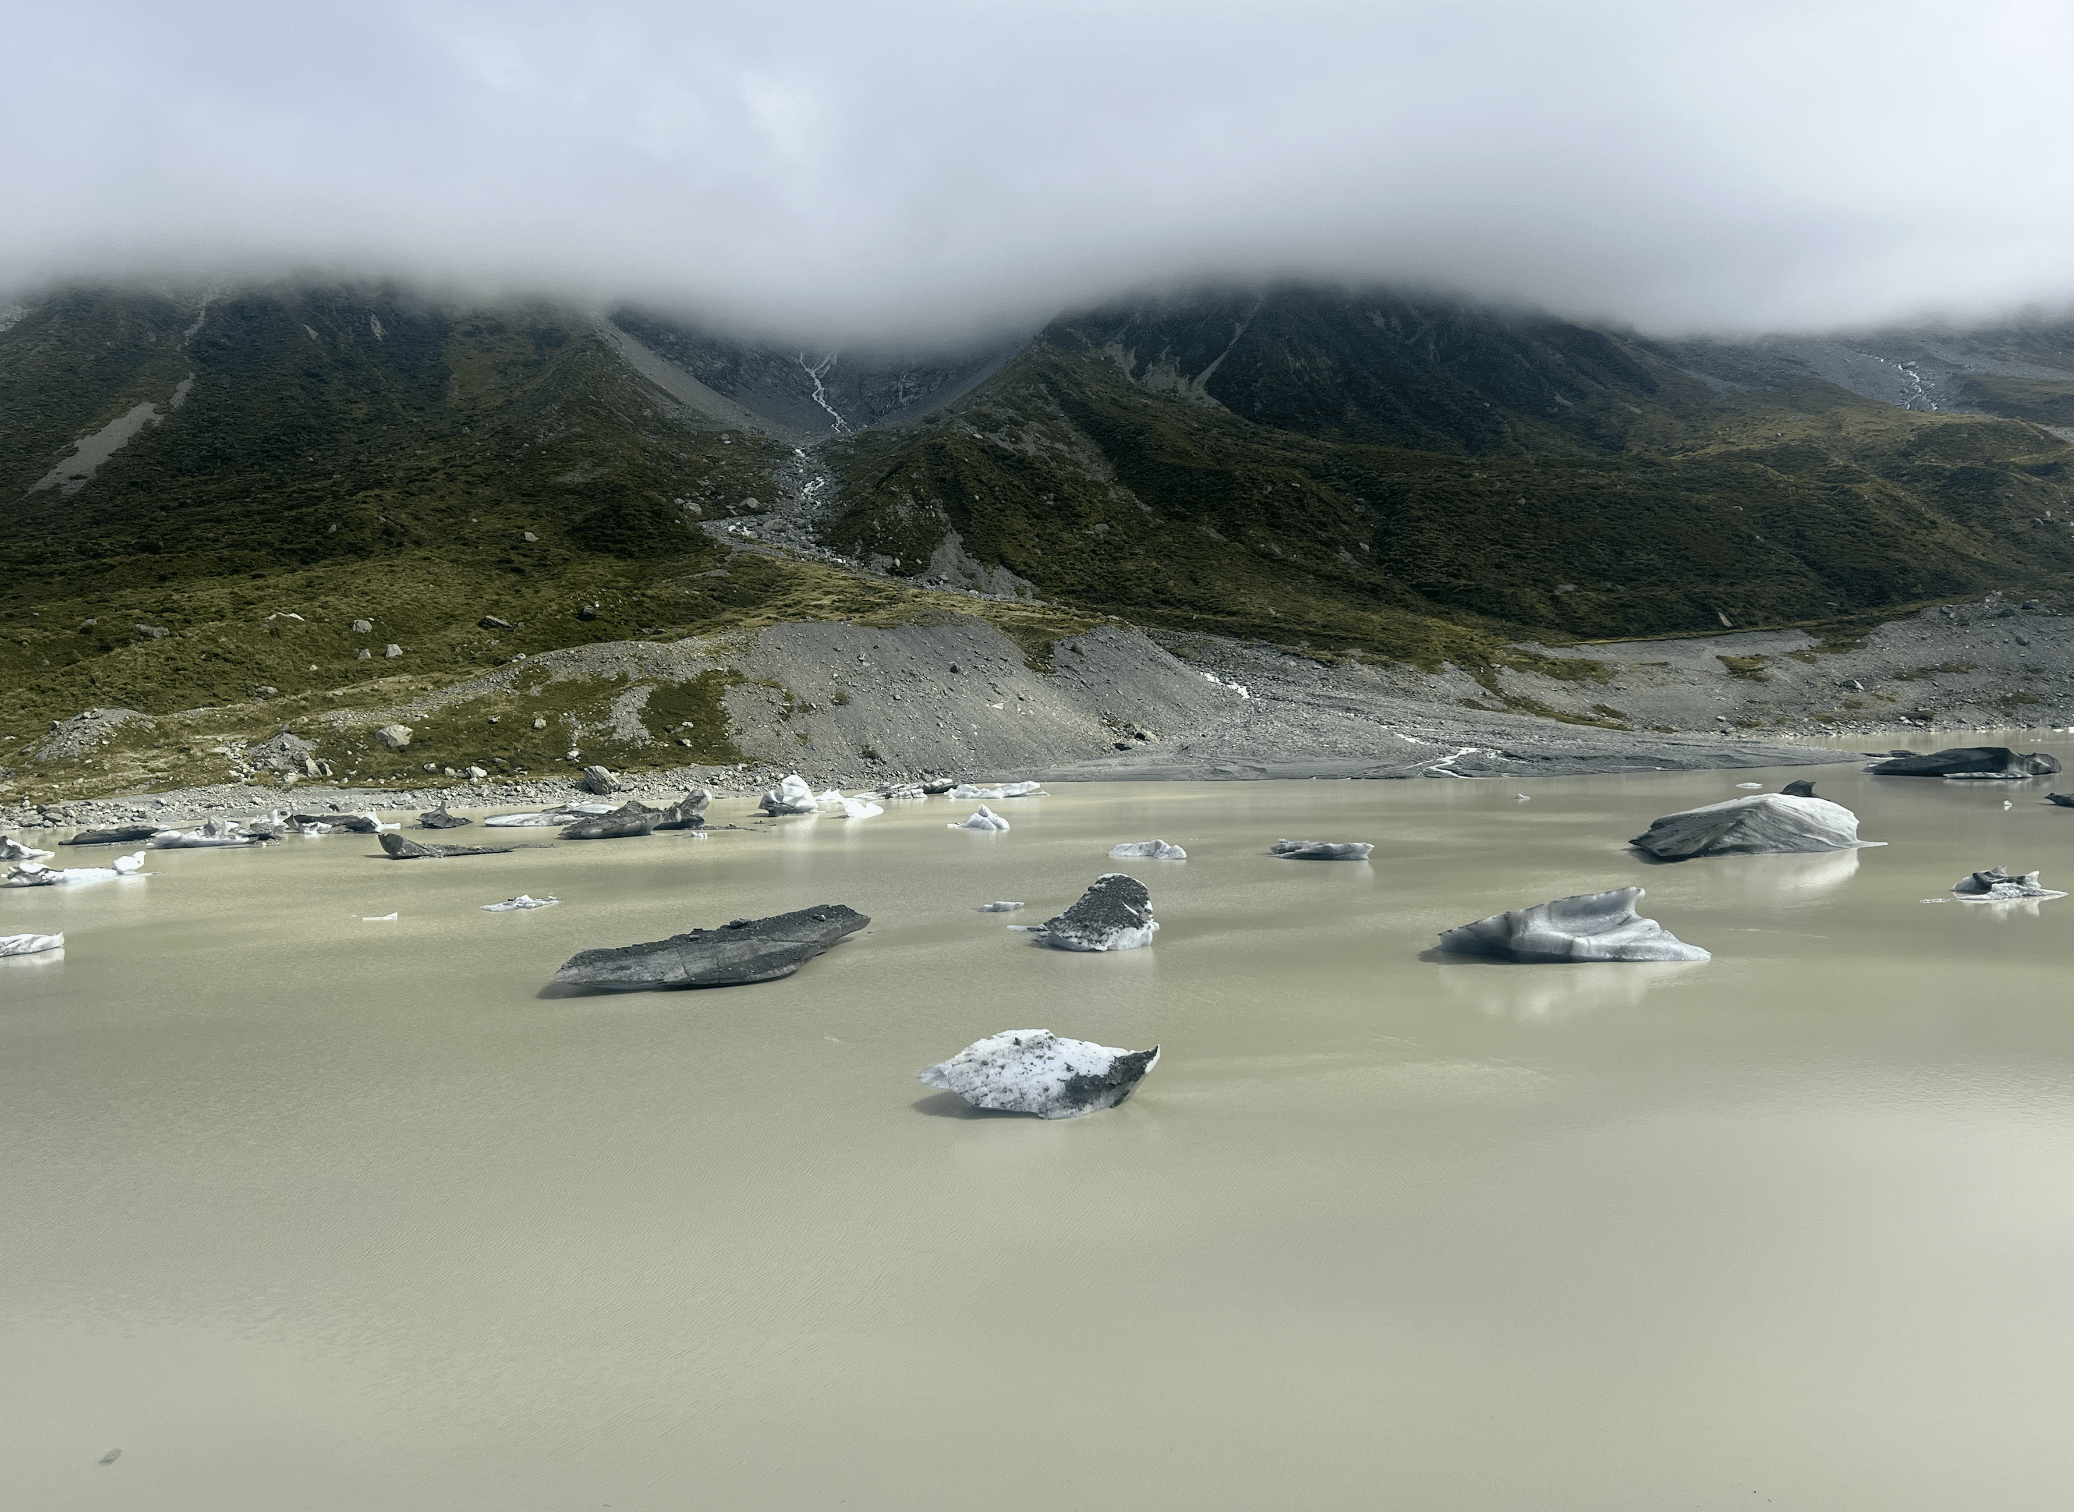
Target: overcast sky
[(1678, 164)]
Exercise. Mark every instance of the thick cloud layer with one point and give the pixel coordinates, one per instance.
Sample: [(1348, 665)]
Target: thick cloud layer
[(845, 167)]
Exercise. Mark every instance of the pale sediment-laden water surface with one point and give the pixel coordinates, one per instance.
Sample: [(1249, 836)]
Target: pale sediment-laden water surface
[(308, 1211)]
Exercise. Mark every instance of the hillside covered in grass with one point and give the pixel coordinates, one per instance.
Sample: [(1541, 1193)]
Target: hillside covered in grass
[(210, 493)]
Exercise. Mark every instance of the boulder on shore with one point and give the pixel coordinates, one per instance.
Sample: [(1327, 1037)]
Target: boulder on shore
[(402, 849), (1967, 761), (395, 736), (597, 779), (1034, 1071), (1114, 914), (1588, 927), (1320, 850), (744, 951), (1763, 824)]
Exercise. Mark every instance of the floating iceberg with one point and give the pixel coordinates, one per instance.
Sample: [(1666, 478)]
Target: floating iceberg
[(1004, 790), (1114, 914), (744, 951), (1761, 825), (30, 944), (984, 819), (214, 834), (861, 808), (1967, 761), (1321, 850), (628, 820), (402, 848), (12, 849), (551, 820), (791, 796), (997, 908), (1996, 886), (1150, 850), (1588, 927), (522, 901), (36, 874), (1034, 1071)]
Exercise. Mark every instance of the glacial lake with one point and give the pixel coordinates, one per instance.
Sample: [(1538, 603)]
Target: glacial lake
[(307, 1212)]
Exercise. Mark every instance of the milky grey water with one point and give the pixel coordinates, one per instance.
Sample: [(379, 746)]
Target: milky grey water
[(303, 1211)]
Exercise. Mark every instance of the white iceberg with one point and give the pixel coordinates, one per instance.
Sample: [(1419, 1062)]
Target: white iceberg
[(12, 849), (1997, 886), (1151, 850), (791, 796), (213, 835), (522, 901), (984, 819), (1034, 1071), (1759, 825), (1588, 927), (861, 808), (1001, 907), (553, 820), (30, 944), (36, 874)]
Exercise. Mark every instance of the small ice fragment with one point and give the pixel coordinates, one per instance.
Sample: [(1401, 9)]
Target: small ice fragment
[(388, 918), (523, 900), (1749, 784), (997, 908), (984, 819), (1153, 850)]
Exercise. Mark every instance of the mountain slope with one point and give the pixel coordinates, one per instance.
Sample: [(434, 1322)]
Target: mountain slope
[(1306, 464)]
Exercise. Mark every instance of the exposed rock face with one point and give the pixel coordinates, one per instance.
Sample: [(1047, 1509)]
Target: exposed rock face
[(1996, 886), (1151, 850), (1762, 824), (1589, 927), (983, 818), (746, 950), (1321, 850), (30, 944), (1967, 761), (621, 824), (129, 834), (1114, 914), (689, 812), (395, 736), (439, 818), (598, 780), (416, 850), (1034, 1071)]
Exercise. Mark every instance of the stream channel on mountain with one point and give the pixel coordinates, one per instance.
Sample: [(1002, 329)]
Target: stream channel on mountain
[(309, 1209)]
